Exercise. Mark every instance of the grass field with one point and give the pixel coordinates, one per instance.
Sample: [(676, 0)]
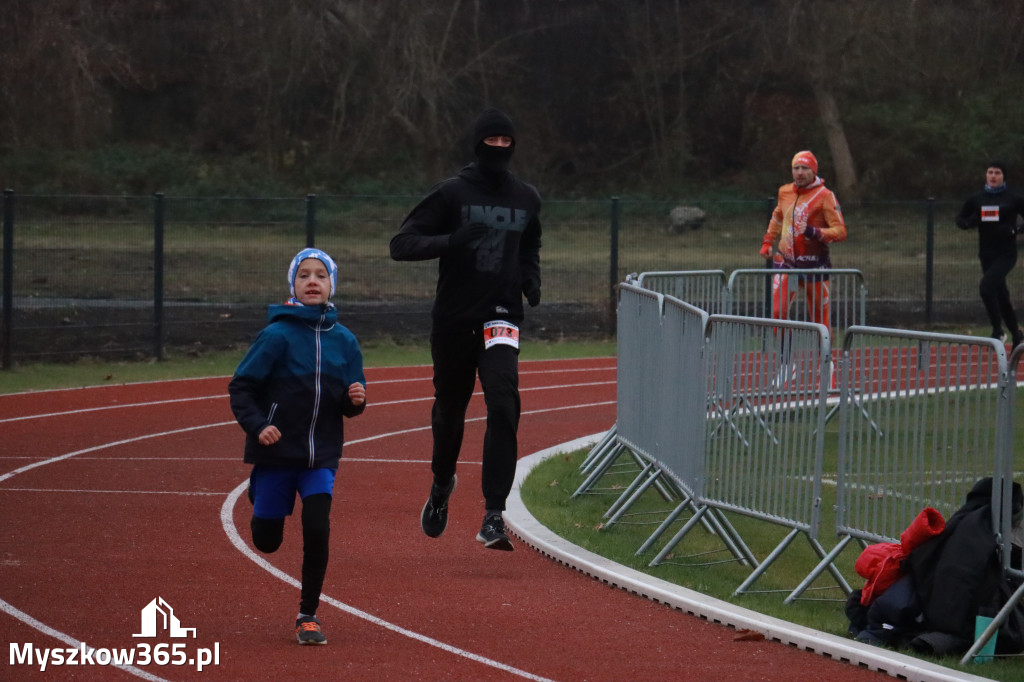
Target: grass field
[(701, 560), (231, 250), (700, 563)]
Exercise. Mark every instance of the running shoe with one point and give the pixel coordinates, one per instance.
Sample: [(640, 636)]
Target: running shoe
[(492, 533), (434, 517), (308, 631)]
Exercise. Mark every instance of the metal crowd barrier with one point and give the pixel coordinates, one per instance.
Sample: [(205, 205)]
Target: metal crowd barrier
[(1005, 510), (705, 289), (923, 417), (766, 390), (750, 295), (655, 422)]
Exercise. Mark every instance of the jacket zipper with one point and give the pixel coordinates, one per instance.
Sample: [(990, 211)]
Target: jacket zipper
[(316, 400)]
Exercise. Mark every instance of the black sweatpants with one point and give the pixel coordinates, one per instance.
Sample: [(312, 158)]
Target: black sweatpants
[(459, 356), (267, 535), (994, 293)]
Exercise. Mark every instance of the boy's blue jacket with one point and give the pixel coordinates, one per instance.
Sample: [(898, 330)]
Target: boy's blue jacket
[(296, 376)]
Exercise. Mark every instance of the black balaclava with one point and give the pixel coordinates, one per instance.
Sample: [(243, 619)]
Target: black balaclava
[(491, 123)]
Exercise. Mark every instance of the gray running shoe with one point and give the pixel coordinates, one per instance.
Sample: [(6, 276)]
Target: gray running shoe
[(492, 533)]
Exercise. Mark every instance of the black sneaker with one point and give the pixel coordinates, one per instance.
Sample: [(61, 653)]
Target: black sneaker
[(308, 631), (492, 533), (434, 518)]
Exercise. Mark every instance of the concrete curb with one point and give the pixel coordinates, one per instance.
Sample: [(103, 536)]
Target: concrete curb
[(533, 533)]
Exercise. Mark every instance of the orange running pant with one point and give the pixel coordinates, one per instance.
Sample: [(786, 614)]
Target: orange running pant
[(816, 294)]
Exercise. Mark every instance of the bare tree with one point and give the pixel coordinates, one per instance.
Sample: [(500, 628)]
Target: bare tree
[(57, 57)]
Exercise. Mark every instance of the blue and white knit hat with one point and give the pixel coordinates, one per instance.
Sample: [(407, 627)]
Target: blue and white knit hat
[(332, 268)]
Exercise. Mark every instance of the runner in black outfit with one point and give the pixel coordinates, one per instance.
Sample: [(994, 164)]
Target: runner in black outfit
[(484, 228), (994, 212)]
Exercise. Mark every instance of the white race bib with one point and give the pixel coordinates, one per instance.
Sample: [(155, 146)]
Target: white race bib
[(500, 332), (990, 214)]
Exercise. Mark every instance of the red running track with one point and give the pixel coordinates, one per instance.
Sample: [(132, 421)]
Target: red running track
[(112, 497)]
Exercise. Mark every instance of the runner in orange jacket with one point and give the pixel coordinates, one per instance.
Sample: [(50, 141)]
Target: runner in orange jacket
[(806, 220)]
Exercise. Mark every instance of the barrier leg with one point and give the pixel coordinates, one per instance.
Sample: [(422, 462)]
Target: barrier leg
[(752, 578), (669, 520), (994, 625), (693, 521), (731, 537), (606, 461), (599, 449), (825, 563), (642, 481)]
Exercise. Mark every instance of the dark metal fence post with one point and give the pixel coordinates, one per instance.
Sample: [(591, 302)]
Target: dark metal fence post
[(929, 263), (769, 208), (310, 221), (613, 266), (8, 277), (158, 275)]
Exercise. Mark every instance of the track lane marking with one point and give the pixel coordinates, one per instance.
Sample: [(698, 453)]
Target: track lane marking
[(427, 377), (222, 396), (227, 508), (71, 641), (228, 524), (102, 446)]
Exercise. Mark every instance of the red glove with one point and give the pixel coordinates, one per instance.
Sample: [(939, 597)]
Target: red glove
[(766, 247)]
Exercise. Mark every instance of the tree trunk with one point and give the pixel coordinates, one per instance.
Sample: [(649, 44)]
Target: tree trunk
[(845, 170)]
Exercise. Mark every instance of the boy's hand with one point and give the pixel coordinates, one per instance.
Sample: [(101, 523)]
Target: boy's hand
[(357, 394), (269, 435)]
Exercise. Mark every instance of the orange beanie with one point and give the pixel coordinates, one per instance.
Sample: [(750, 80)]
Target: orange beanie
[(806, 158)]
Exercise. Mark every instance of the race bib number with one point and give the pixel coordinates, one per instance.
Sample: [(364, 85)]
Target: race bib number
[(990, 214), (500, 332)]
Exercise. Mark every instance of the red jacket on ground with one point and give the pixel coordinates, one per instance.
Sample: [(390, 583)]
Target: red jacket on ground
[(880, 564)]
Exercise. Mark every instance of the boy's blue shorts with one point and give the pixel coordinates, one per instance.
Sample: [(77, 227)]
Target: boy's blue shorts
[(273, 489)]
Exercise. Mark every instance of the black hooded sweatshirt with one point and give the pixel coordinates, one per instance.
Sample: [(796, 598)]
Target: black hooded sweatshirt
[(485, 280), (994, 214)]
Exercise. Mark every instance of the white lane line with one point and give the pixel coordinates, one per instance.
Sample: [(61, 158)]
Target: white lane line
[(70, 641), (127, 441), (109, 407), (426, 377), (476, 419), (367, 439), (185, 493), (95, 448), (225, 395), (237, 541), (227, 460), (228, 523)]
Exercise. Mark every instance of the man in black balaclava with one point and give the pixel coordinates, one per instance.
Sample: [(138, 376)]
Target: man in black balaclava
[(495, 139), (483, 226)]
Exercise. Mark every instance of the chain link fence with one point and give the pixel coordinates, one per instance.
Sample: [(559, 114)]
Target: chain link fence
[(134, 276)]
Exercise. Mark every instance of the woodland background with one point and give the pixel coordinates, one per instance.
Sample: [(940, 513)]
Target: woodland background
[(664, 99)]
